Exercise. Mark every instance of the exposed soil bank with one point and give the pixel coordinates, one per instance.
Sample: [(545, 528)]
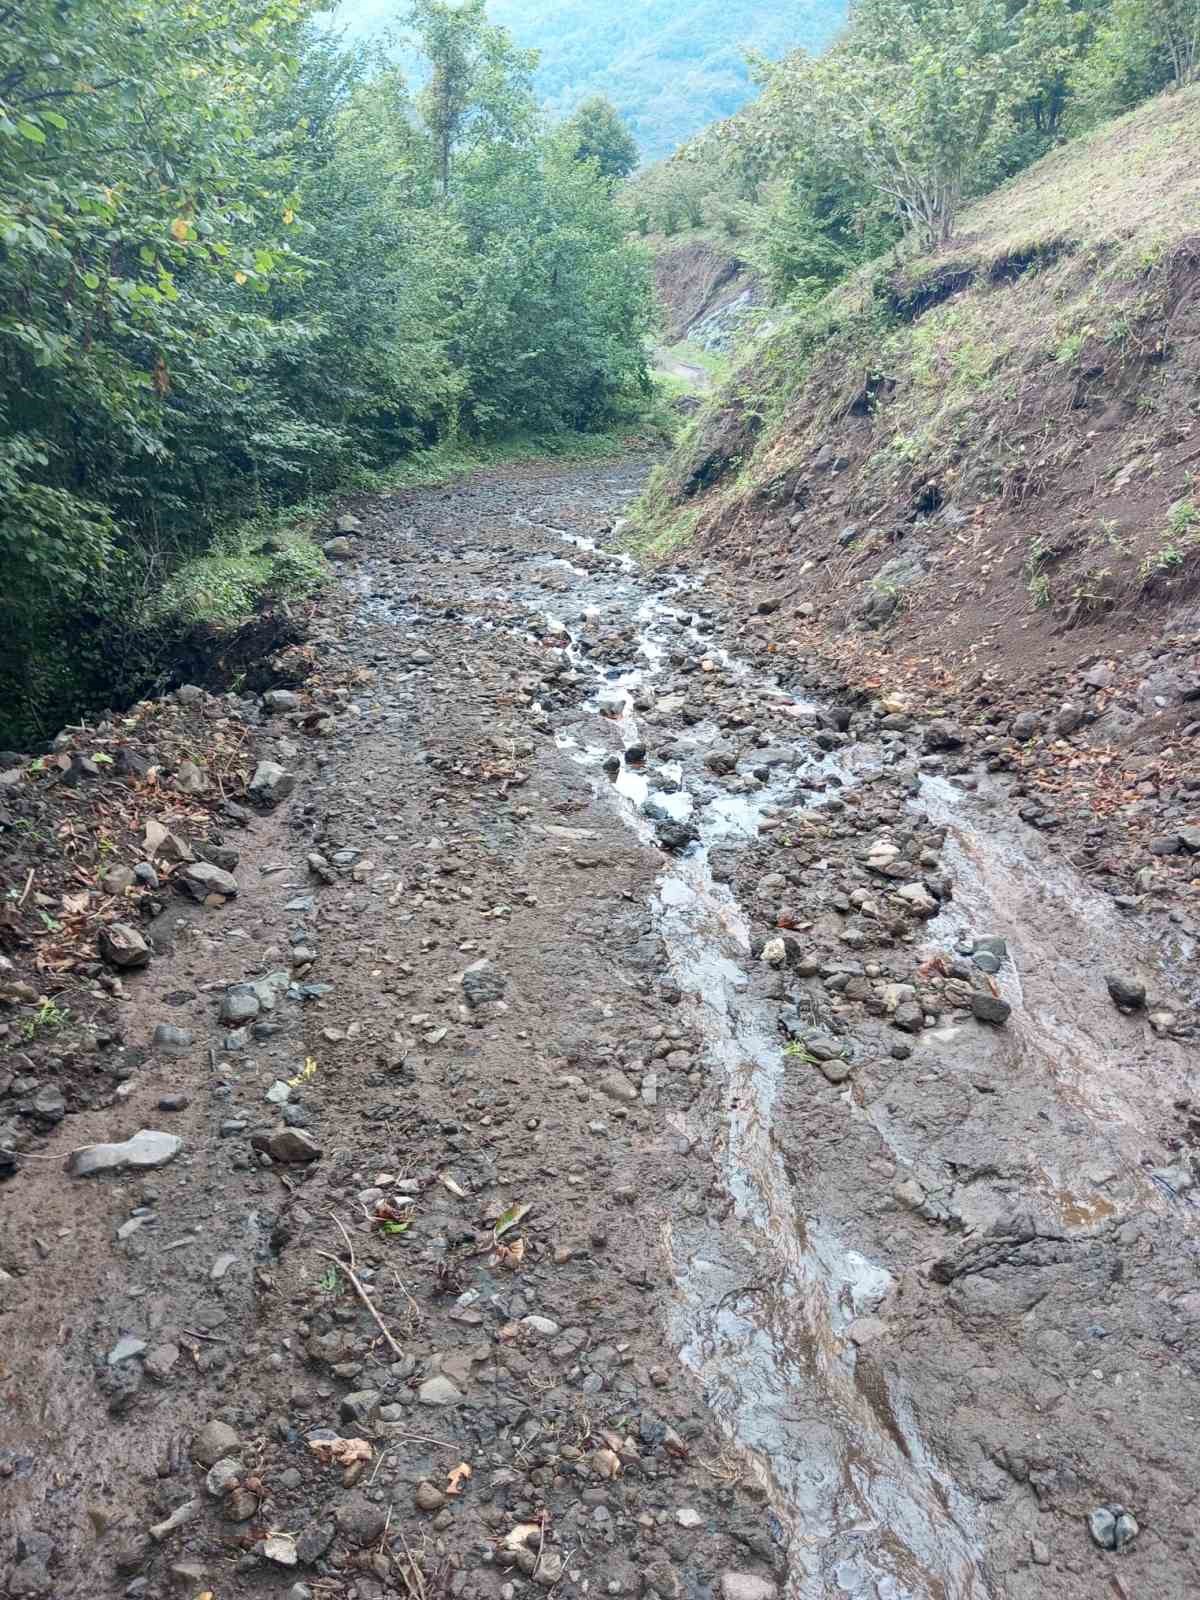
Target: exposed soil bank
[(859, 1256)]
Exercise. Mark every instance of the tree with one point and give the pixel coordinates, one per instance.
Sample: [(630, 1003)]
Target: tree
[(478, 80), (910, 101), (597, 133)]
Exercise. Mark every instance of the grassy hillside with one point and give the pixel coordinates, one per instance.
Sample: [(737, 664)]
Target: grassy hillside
[(999, 437), (670, 66)]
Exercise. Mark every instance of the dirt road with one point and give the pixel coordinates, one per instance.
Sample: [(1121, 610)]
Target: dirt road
[(647, 1129)]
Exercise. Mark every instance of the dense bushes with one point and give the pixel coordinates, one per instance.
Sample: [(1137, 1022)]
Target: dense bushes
[(231, 273), (917, 107)]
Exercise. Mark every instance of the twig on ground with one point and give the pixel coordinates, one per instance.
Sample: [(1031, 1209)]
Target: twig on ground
[(357, 1286)]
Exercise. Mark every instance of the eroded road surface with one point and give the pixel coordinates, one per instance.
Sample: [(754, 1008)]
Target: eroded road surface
[(740, 1164)]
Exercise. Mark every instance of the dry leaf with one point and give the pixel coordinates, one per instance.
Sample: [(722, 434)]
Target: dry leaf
[(75, 904), (509, 1255), (448, 1182), (340, 1452), (521, 1535), (458, 1476)]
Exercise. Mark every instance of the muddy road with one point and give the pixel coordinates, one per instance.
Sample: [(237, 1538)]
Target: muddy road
[(648, 1127)]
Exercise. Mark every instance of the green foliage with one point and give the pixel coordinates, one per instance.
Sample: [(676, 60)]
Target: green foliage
[(596, 133), (670, 67), (239, 263)]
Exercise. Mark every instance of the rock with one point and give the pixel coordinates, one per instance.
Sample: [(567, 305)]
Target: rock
[(482, 983), (942, 734), (836, 1071), (170, 1040), (29, 1577), (1026, 725), (271, 783), (222, 1475), (49, 1104), (439, 1391), (146, 1149), (281, 700), (721, 761), (990, 1008), (123, 946), (117, 879), (909, 1017), (160, 1361), (774, 952), (188, 694), (214, 1442), (239, 1004), (313, 1541), (686, 1517), (361, 1522), (191, 779), (747, 1586), (1039, 1553), (360, 1407), (281, 1548), (1127, 993), (617, 1086), (549, 1569), (201, 879), (125, 1349), (339, 549), (289, 1145), (1112, 1527), (1068, 720), (543, 1325), (173, 1102), (429, 1497), (348, 523)]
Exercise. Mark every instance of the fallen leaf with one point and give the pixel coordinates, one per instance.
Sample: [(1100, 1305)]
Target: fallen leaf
[(521, 1535), (448, 1182), (340, 1452), (75, 904), (508, 1220), (458, 1476), (509, 1255)]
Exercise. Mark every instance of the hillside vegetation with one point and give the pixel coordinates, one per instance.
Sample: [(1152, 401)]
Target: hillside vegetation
[(990, 442), (239, 265), (670, 67)]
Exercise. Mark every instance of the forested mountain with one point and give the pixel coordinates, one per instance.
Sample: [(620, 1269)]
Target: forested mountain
[(669, 66)]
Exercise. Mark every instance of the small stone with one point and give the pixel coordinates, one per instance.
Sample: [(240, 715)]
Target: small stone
[(439, 1391), (173, 1102), (429, 1497), (222, 1475), (201, 879), (542, 1325), (170, 1040), (1039, 1553), (314, 1541), (990, 1008), (482, 983), (360, 1407), (747, 1586), (617, 1086), (686, 1517), (160, 1361), (214, 1441), (1128, 993), (339, 549), (271, 784), (147, 1149), (281, 700), (122, 946), (549, 1569), (289, 1145), (239, 1004), (125, 1349)]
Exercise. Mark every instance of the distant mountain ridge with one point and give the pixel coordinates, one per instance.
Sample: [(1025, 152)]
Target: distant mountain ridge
[(669, 66)]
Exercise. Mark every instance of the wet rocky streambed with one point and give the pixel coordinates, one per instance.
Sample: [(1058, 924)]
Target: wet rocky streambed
[(858, 1255)]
